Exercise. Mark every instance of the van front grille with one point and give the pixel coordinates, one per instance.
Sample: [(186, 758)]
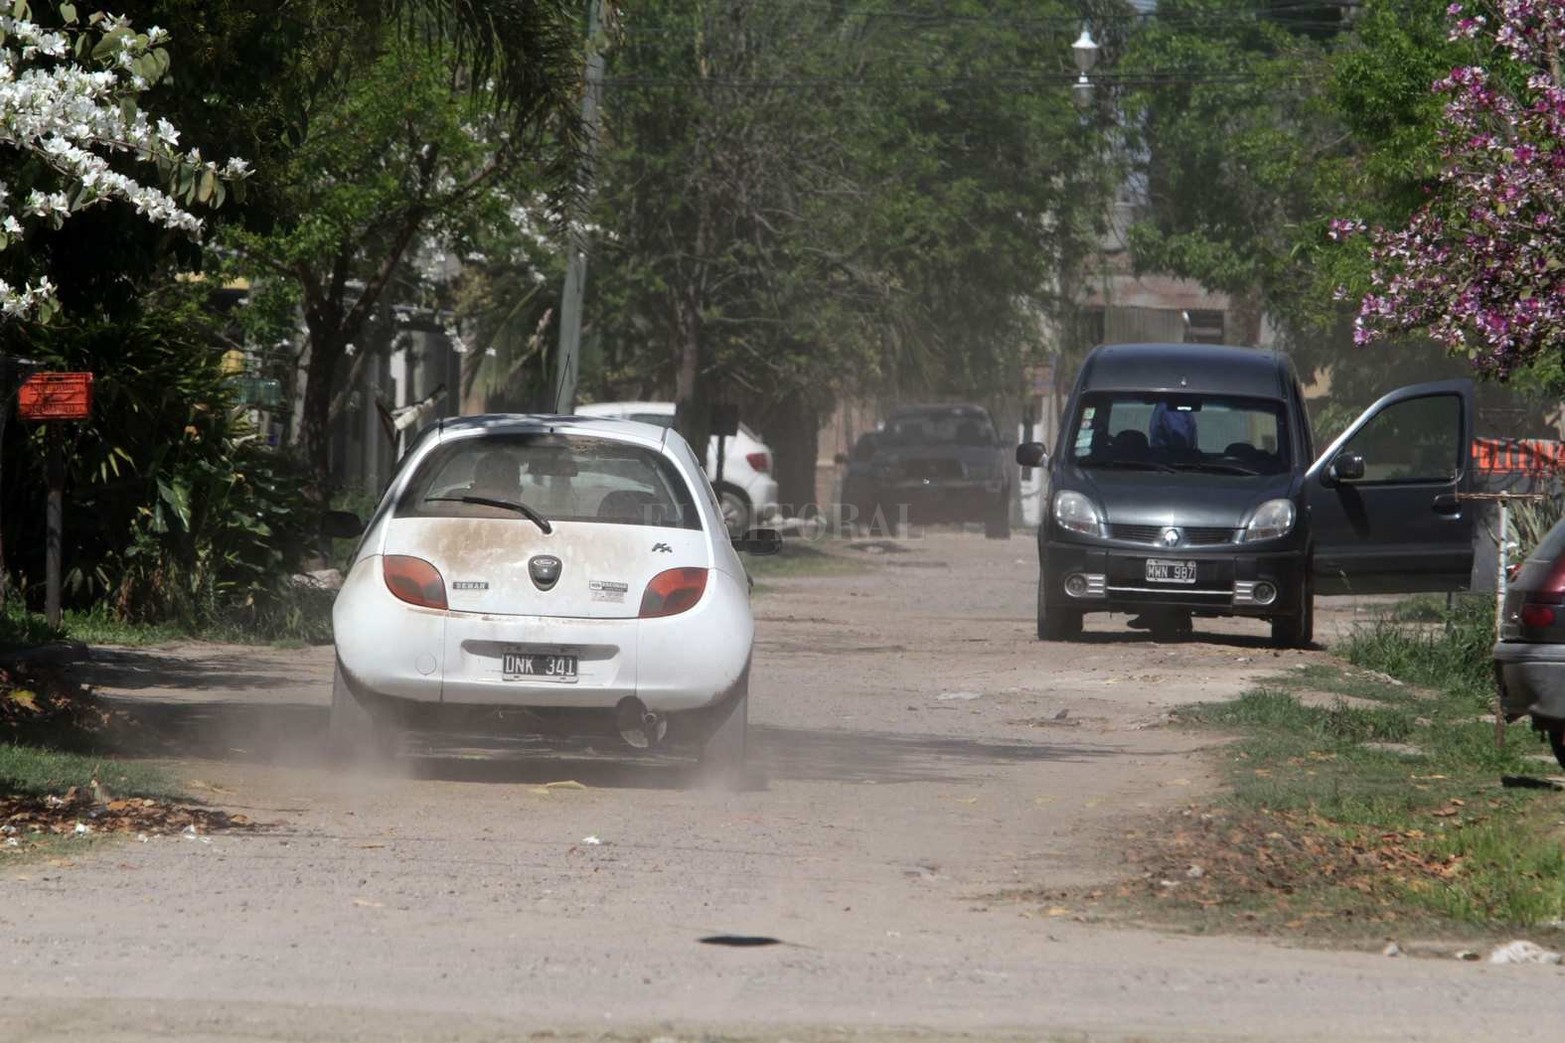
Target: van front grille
[(1191, 536)]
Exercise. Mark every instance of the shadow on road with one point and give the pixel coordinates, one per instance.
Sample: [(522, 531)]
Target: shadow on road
[(136, 670), (294, 735), (1197, 637)]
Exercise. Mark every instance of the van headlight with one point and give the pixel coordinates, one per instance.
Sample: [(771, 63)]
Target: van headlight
[(1076, 513), (1272, 519)]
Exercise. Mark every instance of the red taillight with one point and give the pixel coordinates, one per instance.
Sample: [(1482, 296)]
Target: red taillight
[(761, 462), (414, 580), (1537, 616), (672, 592)]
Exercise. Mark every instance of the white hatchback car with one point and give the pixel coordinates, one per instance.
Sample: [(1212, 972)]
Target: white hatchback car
[(576, 569), (747, 493)]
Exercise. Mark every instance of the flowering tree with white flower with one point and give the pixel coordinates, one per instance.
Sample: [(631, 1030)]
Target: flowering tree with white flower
[(68, 102), (1481, 266)]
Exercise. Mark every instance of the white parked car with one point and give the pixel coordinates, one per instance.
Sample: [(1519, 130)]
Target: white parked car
[(574, 568), (747, 493)]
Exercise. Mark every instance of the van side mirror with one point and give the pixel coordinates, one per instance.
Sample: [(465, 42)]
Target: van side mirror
[(1347, 467), (341, 525), (1031, 454), (759, 541)]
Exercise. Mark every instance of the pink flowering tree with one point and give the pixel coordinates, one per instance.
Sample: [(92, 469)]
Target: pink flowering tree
[(1481, 266)]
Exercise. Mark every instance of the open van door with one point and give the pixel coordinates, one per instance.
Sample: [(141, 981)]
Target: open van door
[(1384, 512)]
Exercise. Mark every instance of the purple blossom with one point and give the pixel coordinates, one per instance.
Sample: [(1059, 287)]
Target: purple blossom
[(1481, 265)]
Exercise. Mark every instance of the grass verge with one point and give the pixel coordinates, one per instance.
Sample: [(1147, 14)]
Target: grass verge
[(58, 790), (34, 771), (1367, 801), (295, 617)]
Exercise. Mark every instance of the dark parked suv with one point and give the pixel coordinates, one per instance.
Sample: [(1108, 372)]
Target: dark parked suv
[(1185, 482), (930, 463)]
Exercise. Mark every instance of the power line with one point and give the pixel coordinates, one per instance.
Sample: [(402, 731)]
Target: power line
[(1019, 80), (1063, 23)]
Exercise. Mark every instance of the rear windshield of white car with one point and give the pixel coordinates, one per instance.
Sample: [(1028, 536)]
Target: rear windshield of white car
[(564, 478)]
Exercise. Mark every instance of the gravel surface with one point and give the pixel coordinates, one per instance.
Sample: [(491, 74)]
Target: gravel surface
[(917, 754)]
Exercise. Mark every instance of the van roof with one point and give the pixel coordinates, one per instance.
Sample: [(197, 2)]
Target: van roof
[(1258, 372)]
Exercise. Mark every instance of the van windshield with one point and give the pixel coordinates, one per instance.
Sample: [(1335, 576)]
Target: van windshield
[(1215, 434)]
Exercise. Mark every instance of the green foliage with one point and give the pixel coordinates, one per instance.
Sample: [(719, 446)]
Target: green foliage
[(1231, 146), (27, 770), (403, 167), (175, 512), (798, 200)]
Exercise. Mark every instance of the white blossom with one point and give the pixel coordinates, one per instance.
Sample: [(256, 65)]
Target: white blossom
[(72, 117)]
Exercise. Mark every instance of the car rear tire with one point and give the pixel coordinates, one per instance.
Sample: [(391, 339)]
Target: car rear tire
[(997, 524), (736, 510), (356, 735), (1297, 630), (1056, 622), (724, 752)]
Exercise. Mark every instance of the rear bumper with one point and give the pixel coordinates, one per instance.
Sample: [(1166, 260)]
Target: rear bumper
[(676, 664), (931, 498), (1532, 679), (1228, 579)]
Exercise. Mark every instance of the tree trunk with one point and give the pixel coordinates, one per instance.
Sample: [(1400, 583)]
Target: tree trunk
[(1249, 312), (794, 437), (692, 400), (315, 419), (473, 400)]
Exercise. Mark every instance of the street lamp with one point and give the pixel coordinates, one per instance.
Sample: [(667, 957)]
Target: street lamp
[(1085, 51)]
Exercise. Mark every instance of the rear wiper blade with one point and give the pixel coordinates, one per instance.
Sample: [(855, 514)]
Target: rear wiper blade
[(504, 505)]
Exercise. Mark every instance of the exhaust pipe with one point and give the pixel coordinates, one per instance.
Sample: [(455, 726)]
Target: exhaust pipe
[(639, 726)]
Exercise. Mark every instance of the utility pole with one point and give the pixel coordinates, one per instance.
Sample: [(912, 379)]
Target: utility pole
[(568, 362)]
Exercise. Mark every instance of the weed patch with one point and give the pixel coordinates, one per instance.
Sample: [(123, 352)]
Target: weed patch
[(1451, 654)]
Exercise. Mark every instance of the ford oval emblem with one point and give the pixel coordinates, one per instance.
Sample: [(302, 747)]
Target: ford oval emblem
[(1170, 537), (545, 571)]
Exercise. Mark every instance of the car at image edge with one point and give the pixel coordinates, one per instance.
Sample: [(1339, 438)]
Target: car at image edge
[(1529, 657)]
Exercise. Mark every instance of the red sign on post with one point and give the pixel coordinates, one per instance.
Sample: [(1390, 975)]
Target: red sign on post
[(56, 396)]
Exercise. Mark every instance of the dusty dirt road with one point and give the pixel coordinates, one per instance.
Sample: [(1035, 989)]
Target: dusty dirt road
[(912, 769)]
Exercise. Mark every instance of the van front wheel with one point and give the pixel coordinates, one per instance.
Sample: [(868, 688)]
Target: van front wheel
[(1056, 622), (1556, 733), (1297, 630)]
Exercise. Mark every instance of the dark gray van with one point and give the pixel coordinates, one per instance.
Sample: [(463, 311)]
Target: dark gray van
[(1185, 482)]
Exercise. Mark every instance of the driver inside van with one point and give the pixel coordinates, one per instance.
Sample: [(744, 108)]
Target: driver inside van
[(1172, 428)]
